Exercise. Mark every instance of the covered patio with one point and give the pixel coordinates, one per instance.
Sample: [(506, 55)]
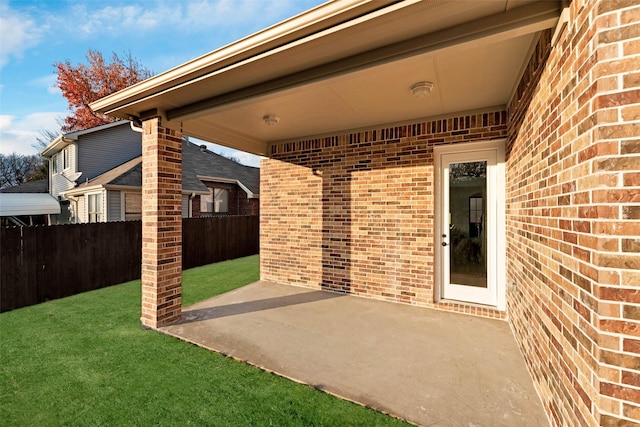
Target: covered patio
[(425, 366), (346, 80), (350, 94), (366, 111)]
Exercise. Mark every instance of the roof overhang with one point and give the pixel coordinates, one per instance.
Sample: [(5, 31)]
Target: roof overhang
[(346, 65), (81, 191), (17, 204), (55, 146)]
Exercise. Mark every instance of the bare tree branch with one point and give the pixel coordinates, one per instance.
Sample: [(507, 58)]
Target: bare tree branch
[(16, 169)]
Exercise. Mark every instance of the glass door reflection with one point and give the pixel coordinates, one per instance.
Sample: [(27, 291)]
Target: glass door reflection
[(467, 223)]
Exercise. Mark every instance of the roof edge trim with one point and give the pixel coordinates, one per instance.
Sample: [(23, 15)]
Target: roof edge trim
[(301, 25), (56, 145)]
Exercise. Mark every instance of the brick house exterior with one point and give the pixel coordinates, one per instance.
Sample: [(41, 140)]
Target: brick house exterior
[(364, 216), (357, 211), (239, 201)]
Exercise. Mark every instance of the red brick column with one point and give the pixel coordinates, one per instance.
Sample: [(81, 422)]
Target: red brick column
[(161, 224)]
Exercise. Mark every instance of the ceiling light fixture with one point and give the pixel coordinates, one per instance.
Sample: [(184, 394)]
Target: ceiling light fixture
[(270, 119), (421, 89)]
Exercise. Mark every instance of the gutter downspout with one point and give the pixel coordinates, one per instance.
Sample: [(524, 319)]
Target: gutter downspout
[(135, 128), (191, 205), (74, 201)]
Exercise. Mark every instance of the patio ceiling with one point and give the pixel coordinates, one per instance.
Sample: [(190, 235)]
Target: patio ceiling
[(346, 65)]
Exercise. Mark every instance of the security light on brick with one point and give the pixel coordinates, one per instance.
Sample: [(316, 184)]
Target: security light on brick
[(270, 119), (421, 89)]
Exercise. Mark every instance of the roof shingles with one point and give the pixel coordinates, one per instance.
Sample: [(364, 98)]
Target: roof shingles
[(195, 162)]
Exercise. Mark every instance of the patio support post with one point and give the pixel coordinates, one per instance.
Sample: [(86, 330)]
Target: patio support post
[(161, 224)]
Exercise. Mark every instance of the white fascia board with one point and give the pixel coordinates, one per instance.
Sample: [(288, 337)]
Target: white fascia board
[(83, 190), (250, 195), (241, 49), (92, 189), (56, 145), (139, 189)]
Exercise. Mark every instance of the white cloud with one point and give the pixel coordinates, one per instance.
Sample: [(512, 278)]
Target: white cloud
[(5, 121), (119, 19), (246, 158), (183, 17), (48, 82), (18, 32), (18, 134), (234, 13)]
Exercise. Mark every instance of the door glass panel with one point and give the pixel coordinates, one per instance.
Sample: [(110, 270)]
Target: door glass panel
[(467, 223)]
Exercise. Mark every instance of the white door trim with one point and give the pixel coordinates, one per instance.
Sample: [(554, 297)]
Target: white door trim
[(497, 181)]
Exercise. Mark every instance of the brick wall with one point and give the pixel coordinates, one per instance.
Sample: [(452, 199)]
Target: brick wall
[(572, 218), (239, 202), (355, 213)]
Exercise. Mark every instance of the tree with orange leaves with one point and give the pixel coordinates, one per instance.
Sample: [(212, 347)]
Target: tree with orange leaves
[(84, 83)]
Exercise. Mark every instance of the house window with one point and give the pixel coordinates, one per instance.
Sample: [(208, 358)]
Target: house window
[(217, 201), (221, 200), (132, 206), (95, 207), (66, 163), (206, 202), (475, 216), (54, 163)]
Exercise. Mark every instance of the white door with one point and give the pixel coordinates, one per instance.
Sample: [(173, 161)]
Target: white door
[(471, 223)]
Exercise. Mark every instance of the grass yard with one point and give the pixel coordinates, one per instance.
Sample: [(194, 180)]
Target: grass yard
[(86, 361)]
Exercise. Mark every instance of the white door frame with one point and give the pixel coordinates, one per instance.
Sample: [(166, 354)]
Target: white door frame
[(496, 191)]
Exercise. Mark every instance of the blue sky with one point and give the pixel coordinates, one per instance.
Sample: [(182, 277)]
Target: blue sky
[(160, 34)]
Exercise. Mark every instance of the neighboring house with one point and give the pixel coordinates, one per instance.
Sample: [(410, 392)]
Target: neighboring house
[(480, 157), (80, 156), (211, 185), (231, 188), (28, 204)]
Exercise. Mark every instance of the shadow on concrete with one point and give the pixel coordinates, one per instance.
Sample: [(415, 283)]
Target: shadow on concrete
[(429, 367), (251, 306)]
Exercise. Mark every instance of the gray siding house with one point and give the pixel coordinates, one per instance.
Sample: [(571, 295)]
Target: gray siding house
[(80, 156), (96, 175), (211, 185)]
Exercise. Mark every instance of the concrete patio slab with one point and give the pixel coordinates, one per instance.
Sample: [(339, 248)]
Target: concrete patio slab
[(428, 367)]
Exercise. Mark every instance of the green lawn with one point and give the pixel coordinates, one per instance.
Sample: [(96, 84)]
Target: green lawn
[(85, 361)]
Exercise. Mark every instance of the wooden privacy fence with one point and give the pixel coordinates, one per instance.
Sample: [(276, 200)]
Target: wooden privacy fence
[(42, 263)]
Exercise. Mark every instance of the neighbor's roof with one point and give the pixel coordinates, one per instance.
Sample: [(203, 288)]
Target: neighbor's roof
[(196, 163), (39, 186), (128, 174), (16, 204)]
